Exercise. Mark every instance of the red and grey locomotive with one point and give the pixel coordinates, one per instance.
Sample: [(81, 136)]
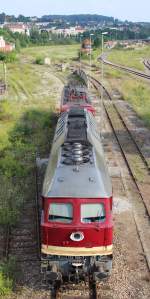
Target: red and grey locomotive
[(76, 222)]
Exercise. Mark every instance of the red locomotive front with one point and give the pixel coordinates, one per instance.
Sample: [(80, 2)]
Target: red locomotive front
[(77, 222)]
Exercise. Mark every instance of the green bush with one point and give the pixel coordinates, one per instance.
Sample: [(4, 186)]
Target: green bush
[(39, 60), (119, 46), (2, 56), (22, 132), (8, 57), (8, 275), (6, 285)]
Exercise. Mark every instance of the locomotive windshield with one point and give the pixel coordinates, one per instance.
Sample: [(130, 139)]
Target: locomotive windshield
[(60, 212), (92, 213)]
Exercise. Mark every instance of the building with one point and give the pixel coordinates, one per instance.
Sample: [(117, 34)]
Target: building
[(5, 47), (86, 46), (71, 31), (2, 42), (110, 44), (79, 29), (41, 25), (18, 27)]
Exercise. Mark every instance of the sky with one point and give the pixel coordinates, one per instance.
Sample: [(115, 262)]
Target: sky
[(132, 10)]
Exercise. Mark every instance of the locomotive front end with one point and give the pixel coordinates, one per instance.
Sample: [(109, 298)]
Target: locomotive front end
[(77, 236)]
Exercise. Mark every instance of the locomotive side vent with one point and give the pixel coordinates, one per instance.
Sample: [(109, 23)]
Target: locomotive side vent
[(76, 153)]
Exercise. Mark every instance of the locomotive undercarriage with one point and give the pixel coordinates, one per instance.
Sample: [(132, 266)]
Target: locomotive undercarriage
[(58, 269)]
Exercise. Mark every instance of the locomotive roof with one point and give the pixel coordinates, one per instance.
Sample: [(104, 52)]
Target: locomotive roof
[(88, 179)]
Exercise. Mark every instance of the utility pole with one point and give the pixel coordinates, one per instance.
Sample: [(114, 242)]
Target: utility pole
[(5, 75), (102, 75), (91, 34), (102, 78), (80, 49)]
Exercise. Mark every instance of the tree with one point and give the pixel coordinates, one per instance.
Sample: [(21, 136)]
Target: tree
[(35, 36), (97, 42), (2, 17), (17, 45)]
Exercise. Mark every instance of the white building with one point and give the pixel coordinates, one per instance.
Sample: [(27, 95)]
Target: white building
[(2, 42), (6, 47), (18, 27), (68, 31)]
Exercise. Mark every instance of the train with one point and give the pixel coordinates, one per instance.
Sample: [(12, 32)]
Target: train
[(76, 218)]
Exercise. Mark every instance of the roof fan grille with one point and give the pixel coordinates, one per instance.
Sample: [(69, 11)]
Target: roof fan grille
[(76, 153)]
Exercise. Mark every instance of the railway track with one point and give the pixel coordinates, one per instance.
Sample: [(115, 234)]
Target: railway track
[(135, 160), (126, 69), (147, 63), (141, 162), (84, 290), (22, 241)]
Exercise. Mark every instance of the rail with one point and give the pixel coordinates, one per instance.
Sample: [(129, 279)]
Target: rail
[(135, 145), (88, 291), (127, 69), (146, 63)]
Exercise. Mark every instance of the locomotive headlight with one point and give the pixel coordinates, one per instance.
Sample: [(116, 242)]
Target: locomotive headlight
[(77, 236)]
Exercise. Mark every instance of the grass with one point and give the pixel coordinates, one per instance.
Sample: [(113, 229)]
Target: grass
[(137, 94), (94, 56), (133, 90), (30, 85), (112, 73), (5, 285), (26, 127), (131, 58), (22, 80), (57, 53), (8, 274)]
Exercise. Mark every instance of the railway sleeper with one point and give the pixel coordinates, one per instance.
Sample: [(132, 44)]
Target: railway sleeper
[(22, 251), (24, 257), (23, 238), (23, 245), (26, 222), (22, 232), (27, 259)]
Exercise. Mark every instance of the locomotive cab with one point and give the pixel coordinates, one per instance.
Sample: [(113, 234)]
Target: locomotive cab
[(66, 216), (78, 232)]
